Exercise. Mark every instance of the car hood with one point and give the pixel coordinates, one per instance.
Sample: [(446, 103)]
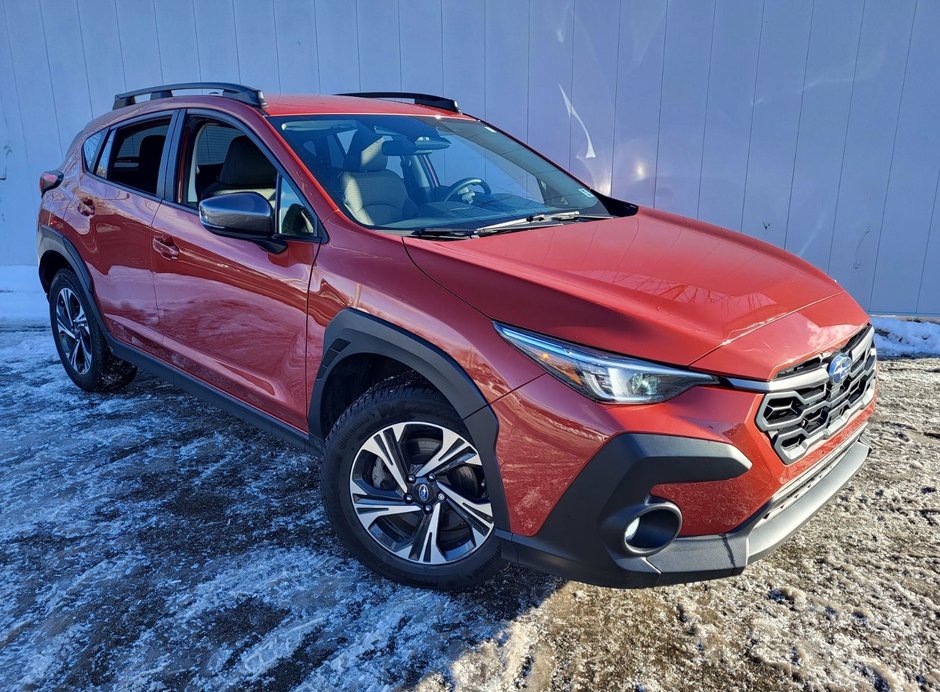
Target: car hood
[(653, 285)]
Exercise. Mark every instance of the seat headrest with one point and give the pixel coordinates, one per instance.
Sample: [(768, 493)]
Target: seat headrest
[(365, 152), (246, 166), (151, 149)]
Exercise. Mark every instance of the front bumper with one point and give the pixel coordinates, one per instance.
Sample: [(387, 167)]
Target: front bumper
[(582, 537)]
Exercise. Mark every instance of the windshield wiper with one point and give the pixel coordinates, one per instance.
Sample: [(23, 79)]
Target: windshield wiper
[(443, 232), (543, 218)]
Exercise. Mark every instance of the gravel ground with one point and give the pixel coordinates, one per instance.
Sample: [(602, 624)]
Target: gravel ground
[(149, 541)]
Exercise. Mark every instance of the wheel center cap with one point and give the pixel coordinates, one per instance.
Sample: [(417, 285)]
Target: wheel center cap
[(423, 491)]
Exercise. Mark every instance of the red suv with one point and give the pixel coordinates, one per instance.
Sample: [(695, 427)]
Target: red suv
[(500, 362)]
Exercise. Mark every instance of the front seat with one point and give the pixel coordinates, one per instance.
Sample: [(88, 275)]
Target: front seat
[(373, 194), (245, 169)]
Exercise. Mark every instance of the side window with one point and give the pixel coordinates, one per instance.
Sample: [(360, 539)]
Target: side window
[(293, 219), (209, 146), (133, 155), (90, 149), (220, 159), (101, 170)]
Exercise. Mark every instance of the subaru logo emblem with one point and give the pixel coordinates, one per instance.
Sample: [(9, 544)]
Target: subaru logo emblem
[(424, 492), (839, 368)]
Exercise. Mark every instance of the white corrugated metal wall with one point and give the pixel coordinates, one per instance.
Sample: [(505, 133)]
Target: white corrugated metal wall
[(814, 125)]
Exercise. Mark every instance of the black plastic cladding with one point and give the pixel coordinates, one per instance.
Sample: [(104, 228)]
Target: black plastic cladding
[(353, 332)]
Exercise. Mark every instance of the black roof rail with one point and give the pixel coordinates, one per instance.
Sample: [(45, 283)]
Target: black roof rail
[(441, 102), (237, 92)]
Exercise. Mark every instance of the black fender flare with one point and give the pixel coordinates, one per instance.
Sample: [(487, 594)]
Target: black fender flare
[(353, 332), (51, 240)]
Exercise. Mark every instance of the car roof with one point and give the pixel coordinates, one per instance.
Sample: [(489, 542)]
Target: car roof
[(277, 105)]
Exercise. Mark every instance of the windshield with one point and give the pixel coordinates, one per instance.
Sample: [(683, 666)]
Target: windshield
[(404, 173)]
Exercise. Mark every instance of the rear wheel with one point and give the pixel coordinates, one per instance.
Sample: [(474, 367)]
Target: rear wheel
[(405, 489), (81, 346)]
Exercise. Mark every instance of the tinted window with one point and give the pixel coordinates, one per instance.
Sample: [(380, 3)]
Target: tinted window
[(221, 159), (101, 170), (90, 149), (134, 155), (209, 147)]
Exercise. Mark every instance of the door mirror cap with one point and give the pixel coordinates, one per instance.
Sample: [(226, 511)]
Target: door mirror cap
[(245, 215), (242, 215)]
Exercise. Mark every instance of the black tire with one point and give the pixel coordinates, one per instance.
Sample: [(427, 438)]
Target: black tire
[(396, 401), (93, 367)]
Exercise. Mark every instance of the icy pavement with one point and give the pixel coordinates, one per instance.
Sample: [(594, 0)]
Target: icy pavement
[(149, 541)]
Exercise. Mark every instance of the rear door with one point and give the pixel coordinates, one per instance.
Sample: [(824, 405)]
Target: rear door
[(233, 314), (118, 199)]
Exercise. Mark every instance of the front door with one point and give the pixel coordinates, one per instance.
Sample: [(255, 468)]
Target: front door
[(232, 313)]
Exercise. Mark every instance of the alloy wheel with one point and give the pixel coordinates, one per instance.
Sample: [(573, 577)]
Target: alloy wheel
[(419, 491), (73, 331)]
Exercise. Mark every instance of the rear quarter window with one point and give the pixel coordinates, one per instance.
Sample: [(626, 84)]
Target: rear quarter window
[(132, 154), (90, 149)]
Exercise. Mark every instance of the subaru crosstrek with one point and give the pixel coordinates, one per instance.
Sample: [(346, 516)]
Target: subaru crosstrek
[(498, 362)]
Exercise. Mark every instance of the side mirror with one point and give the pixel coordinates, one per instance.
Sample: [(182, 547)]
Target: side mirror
[(243, 215)]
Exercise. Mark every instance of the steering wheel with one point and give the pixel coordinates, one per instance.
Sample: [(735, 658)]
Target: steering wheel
[(465, 183)]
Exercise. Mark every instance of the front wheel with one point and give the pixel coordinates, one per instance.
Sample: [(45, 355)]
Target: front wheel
[(405, 490), (82, 348)]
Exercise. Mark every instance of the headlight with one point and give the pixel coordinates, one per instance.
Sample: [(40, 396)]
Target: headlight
[(603, 376)]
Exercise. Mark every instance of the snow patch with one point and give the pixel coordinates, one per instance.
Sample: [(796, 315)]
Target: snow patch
[(896, 338)]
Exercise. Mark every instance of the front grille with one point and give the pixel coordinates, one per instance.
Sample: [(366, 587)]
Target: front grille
[(805, 406)]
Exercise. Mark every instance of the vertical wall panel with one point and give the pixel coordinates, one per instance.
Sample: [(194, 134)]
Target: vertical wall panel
[(777, 101), (217, 40), (734, 54), (914, 168), (135, 34), (885, 38), (682, 110), (296, 26), (104, 58), (337, 46), (551, 24), (257, 44), (33, 83), (506, 65), (810, 123), (17, 187), (827, 91), (928, 298), (62, 33), (176, 37), (380, 65), (422, 50), (464, 49), (639, 94), (592, 98)]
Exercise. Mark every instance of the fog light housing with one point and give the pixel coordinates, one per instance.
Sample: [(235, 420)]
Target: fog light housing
[(652, 528)]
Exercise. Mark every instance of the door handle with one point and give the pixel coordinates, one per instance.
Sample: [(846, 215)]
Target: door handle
[(86, 207), (166, 248)]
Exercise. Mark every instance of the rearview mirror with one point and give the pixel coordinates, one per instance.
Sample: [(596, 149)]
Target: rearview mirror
[(245, 215)]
